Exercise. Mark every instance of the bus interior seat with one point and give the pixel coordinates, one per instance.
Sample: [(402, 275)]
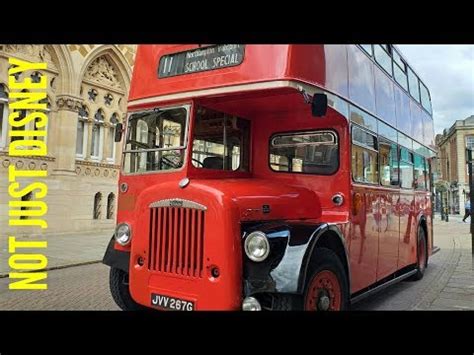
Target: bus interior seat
[(325, 160), (213, 163)]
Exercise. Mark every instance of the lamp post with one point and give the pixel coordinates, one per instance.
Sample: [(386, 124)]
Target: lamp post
[(471, 193)]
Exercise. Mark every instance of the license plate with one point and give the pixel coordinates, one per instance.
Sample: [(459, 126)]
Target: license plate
[(171, 303)]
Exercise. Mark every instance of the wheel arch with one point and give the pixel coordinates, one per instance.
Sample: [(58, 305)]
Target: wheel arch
[(329, 237)]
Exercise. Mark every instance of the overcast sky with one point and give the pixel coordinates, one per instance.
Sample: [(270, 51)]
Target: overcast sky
[(448, 72)]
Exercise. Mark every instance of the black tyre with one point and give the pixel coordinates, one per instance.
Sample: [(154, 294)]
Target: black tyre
[(422, 255), (327, 286), (118, 281), (286, 302)]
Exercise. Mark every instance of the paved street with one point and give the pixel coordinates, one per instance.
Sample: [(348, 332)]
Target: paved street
[(64, 249), (448, 283), (76, 288)]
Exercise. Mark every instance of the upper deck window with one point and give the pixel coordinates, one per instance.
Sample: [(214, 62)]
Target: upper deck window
[(413, 85), (155, 140), (221, 141), (308, 152), (397, 58), (400, 70), (425, 97), (383, 57), (367, 48)]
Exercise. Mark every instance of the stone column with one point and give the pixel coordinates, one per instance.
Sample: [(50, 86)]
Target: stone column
[(66, 121)]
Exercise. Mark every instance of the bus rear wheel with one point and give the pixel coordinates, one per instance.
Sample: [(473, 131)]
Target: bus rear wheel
[(119, 288), (327, 287), (422, 255)]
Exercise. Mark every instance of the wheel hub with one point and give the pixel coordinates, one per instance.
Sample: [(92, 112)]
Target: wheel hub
[(324, 301), (324, 292)]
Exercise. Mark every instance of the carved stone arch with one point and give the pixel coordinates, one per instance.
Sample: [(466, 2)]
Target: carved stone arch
[(50, 99), (117, 116), (63, 61), (88, 108), (115, 58), (5, 85)]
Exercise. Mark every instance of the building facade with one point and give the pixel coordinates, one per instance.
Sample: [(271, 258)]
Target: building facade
[(87, 97), (453, 171)]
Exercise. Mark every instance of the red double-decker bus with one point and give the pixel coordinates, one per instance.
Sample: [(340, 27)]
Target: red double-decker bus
[(271, 177)]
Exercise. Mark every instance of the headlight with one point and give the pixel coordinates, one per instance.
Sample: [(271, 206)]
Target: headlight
[(257, 246), (123, 234)]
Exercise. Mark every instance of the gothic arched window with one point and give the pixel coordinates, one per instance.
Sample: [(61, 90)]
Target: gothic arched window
[(97, 205), (81, 136), (110, 205), (3, 115), (35, 77), (25, 198), (92, 93), (97, 135), (108, 99), (111, 136)]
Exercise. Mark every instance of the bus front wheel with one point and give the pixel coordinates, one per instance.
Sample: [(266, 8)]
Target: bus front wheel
[(326, 287), (119, 288)]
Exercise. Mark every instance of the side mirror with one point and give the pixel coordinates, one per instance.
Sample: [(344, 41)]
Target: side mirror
[(319, 105), (118, 132)]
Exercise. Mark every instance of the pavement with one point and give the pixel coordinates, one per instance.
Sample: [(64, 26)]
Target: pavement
[(453, 287), (64, 250)]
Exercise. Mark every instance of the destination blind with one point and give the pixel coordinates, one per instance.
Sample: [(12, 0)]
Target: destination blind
[(201, 59)]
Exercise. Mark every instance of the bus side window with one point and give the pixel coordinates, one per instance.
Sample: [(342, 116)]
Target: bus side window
[(419, 173), (364, 156), (305, 152), (388, 163), (406, 168)]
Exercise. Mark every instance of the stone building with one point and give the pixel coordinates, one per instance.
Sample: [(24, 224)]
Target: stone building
[(87, 96), (453, 171)]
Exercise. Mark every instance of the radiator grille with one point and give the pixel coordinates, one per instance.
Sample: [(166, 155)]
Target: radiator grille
[(176, 240)]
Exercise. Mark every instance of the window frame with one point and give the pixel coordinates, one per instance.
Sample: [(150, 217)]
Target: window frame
[(398, 161), (300, 132), (371, 53), (418, 100), (245, 152), (412, 163), (428, 109), (390, 73), (85, 135), (189, 107), (101, 141), (375, 135), (403, 70), (4, 123), (111, 133), (425, 172)]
